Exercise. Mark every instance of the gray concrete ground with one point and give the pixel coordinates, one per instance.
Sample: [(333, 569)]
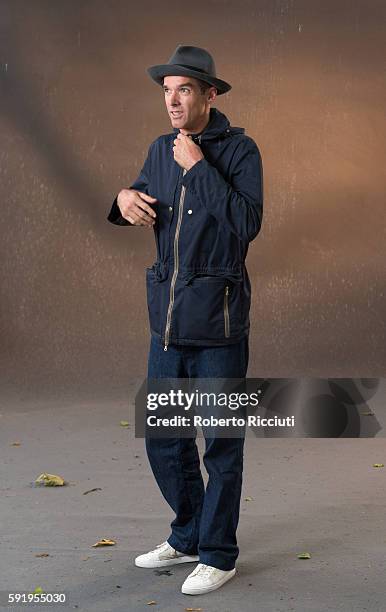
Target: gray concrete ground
[(321, 496)]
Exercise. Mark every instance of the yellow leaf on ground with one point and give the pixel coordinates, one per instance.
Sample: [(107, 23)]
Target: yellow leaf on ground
[(42, 555), (104, 542), (193, 609), (38, 590), (151, 603), (378, 465), (50, 480), (17, 443), (248, 498), (124, 423), (304, 555)]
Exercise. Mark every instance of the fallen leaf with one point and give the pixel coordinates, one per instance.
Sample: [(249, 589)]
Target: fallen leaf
[(105, 542), (163, 573), (85, 558), (17, 443), (42, 555), (368, 413), (124, 424), (378, 465), (151, 603), (92, 490), (193, 609), (50, 480), (304, 555), (38, 590), (248, 498)]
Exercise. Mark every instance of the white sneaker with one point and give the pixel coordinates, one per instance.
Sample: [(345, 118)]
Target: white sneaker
[(162, 556), (206, 578)]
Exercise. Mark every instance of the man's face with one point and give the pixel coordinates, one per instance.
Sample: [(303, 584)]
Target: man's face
[(186, 105)]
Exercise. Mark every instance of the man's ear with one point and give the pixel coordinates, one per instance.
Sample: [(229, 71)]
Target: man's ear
[(212, 95)]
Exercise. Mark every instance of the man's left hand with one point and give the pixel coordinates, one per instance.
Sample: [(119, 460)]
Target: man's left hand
[(186, 152)]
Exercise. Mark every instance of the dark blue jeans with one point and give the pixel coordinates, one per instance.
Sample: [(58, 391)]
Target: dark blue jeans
[(206, 520)]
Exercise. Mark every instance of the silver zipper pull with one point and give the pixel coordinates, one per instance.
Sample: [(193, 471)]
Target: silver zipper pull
[(226, 312)]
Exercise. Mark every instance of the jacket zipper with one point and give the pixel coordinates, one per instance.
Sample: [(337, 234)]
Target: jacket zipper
[(226, 312), (176, 264), (176, 260)]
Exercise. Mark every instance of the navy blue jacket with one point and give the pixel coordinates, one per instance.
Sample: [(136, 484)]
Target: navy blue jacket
[(198, 290)]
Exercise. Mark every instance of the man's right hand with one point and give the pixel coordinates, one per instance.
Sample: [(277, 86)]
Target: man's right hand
[(133, 206)]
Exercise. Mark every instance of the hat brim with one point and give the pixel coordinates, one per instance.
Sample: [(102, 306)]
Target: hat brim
[(157, 73)]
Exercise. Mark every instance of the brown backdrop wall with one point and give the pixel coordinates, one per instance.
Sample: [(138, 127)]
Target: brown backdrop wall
[(79, 113)]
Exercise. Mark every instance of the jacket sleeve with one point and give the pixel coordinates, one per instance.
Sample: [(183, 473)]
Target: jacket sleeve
[(237, 204), (141, 184)]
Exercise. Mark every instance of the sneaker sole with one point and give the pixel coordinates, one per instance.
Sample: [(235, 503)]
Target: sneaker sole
[(166, 562), (203, 590)]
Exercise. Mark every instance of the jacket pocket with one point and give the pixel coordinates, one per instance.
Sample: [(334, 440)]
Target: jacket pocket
[(209, 309), (156, 295)]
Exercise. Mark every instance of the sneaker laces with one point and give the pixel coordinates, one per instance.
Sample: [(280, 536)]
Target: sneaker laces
[(164, 545), (203, 570)]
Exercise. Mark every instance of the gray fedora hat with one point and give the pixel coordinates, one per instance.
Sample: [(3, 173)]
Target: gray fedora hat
[(190, 61)]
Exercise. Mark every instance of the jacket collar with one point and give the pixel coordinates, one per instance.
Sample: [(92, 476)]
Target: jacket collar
[(218, 127)]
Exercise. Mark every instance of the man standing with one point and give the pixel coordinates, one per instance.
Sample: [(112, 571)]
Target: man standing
[(201, 189)]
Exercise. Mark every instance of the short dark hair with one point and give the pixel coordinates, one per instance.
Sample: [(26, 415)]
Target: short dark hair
[(204, 86)]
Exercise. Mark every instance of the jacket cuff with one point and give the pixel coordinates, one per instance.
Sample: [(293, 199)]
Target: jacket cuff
[(194, 172), (115, 216)]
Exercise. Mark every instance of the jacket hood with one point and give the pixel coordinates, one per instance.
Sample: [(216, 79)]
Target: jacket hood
[(218, 127)]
